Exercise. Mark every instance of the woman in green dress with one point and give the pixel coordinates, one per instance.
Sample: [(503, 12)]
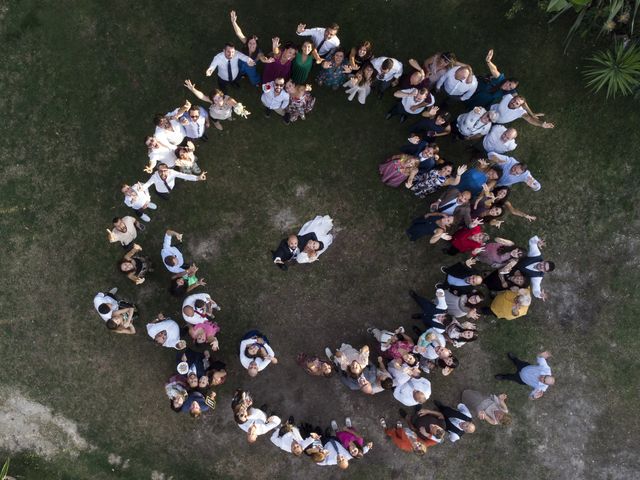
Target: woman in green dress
[(302, 64)]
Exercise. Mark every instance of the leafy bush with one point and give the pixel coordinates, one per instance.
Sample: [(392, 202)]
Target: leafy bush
[(618, 69)]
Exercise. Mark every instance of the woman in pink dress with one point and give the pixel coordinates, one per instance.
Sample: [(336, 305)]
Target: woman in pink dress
[(399, 169), (281, 67)]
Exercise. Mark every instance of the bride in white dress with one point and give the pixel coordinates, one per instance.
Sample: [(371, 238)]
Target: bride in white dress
[(321, 226)]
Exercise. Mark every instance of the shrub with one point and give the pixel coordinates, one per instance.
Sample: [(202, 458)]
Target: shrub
[(618, 69)]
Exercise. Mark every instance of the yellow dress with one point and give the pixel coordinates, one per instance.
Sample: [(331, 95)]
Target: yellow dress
[(503, 304)]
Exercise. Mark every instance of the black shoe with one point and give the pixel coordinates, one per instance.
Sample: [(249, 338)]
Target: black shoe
[(499, 377), (511, 356), (291, 420), (402, 412), (388, 115), (413, 294), (416, 330), (204, 138), (403, 118), (267, 113), (416, 316)]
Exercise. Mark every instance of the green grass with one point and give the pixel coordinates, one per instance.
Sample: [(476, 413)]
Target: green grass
[(81, 82)]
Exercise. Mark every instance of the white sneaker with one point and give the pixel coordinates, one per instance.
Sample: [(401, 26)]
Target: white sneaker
[(334, 425), (152, 206), (347, 422), (328, 353), (145, 217), (113, 291)]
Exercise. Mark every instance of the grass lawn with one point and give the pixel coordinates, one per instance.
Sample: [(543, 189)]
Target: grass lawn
[(81, 82)]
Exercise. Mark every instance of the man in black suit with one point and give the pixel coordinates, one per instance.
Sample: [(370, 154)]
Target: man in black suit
[(461, 278), (289, 249)]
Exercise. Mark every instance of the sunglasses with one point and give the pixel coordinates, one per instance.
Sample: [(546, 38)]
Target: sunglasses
[(279, 84)]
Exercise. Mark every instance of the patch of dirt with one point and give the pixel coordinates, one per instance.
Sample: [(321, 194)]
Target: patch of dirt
[(301, 190), (284, 219), (205, 248), (155, 475), (26, 425)]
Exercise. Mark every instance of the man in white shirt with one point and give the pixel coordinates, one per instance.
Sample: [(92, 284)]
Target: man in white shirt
[(125, 231), (289, 439), (106, 303), (164, 180), (196, 122), (138, 198), (513, 172), (325, 40), (226, 62), (198, 308), (159, 153), (413, 101), (476, 123), (459, 83), (258, 423), (172, 258), (388, 73), (414, 392), (538, 377), (514, 106), (274, 97), (533, 266), (500, 139)]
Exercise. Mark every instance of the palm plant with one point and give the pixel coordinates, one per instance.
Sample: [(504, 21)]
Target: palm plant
[(606, 16), (5, 470), (617, 69)]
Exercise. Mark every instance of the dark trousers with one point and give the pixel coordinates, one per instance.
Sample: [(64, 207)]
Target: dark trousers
[(380, 86), (163, 195), (224, 84), (429, 310), (515, 377), (397, 109)]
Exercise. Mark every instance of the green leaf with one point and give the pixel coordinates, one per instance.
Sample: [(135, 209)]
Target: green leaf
[(558, 6), (5, 469), (616, 69)]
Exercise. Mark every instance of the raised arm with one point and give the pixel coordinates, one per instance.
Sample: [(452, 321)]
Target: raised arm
[(493, 70), (535, 121), (129, 255), (192, 88), (236, 27), (414, 63), (518, 213)]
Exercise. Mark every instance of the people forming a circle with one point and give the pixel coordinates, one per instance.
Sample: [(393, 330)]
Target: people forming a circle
[(466, 204)]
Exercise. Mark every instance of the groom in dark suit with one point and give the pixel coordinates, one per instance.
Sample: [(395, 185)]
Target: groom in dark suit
[(289, 249)]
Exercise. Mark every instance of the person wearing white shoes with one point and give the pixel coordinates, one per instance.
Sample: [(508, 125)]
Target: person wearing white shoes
[(137, 197)]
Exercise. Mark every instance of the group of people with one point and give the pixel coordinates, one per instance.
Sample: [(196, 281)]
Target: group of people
[(464, 200)]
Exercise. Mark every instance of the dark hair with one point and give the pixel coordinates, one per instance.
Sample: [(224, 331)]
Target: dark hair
[(504, 249), (229, 44), (146, 139), (499, 189), (446, 116), (415, 360), (368, 47), (178, 290), (387, 64), (157, 119), (170, 260), (387, 383), (497, 169), (320, 245), (111, 325), (499, 86), (525, 167), (339, 49), (180, 150), (444, 164), (120, 263), (116, 219), (334, 26), (104, 308), (477, 293), (454, 363), (175, 409), (199, 303), (194, 107), (552, 266)]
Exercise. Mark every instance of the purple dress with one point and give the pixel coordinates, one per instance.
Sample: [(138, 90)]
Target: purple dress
[(276, 69), (390, 172)]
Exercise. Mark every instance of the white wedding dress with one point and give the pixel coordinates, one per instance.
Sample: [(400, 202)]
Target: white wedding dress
[(321, 226)]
